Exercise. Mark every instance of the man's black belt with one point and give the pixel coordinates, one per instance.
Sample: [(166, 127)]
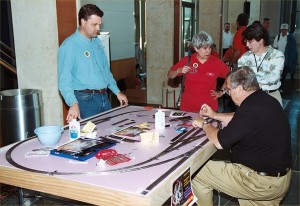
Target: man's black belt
[(99, 91), (274, 174), (270, 91)]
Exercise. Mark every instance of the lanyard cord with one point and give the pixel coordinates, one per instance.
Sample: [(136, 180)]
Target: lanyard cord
[(260, 62)]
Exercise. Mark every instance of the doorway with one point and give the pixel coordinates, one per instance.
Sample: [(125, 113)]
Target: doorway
[(188, 24)]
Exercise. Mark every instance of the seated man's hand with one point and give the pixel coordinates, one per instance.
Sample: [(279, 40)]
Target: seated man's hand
[(206, 111), (198, 122)]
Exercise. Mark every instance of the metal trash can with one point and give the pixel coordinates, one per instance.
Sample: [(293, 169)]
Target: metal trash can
[(21, 111)]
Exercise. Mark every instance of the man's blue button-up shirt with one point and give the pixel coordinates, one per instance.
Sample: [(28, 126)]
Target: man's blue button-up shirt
[(82, 64)]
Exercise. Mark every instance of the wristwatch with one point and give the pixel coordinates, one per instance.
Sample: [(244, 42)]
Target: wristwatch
[(203, 123)]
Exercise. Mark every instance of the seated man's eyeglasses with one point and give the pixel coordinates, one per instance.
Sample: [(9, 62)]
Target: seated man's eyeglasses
[(227, 91)]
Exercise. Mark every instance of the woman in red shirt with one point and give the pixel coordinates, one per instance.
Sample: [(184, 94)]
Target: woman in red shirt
[(200, 75)]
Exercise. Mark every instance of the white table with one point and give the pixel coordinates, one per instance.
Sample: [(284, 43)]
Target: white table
[(141, 184)]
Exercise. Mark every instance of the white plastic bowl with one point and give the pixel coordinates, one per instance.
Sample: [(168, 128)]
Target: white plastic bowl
[(49, 135)]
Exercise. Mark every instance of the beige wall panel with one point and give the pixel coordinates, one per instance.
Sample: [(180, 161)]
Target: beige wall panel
[(254, 11), (273, 14), (235, 7), (36, 45), (159, 51), (209, 18)]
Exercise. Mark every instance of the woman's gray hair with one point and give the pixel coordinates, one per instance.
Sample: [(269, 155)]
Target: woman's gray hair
[(245, 77), (202, 39)]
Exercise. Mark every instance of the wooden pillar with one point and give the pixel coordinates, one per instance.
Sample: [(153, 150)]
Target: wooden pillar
[(67, 24)]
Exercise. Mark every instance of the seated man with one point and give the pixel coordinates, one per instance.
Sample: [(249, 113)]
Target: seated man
[(258, 135)]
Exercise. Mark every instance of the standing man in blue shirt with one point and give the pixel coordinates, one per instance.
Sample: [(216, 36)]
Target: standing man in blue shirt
[(83, 70)]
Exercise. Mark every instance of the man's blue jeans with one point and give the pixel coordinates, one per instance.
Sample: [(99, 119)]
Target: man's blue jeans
[(92, 103)]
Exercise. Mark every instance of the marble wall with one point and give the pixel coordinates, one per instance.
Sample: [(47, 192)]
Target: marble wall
[(159, 49), (209, 18), (36, 45), (273, 14)]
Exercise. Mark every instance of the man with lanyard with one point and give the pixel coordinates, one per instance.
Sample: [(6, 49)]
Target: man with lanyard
[(266, 62)]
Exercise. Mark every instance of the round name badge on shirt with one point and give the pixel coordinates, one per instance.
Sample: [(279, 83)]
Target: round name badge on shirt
[(87, 54), (194, 69)]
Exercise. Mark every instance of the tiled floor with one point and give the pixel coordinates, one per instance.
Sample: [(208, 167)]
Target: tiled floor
[(293, 114), (9, 195)]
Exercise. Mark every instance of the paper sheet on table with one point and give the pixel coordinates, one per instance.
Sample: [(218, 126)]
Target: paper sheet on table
[(144, 125), (89, 127), (150, 137)]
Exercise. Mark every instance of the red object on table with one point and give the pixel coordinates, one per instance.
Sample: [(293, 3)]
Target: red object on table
[(112, 157)]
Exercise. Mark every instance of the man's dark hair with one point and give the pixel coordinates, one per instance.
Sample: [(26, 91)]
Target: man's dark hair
[(256, 22), (266, 19), (226, 23), (243, 19), (88, 10), (257, 32)]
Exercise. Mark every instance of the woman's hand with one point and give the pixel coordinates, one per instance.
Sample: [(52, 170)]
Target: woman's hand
[(216, 94), (174, 73), (185, 69)]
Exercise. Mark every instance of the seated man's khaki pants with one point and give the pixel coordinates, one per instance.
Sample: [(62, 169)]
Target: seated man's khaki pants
[(238, 181)]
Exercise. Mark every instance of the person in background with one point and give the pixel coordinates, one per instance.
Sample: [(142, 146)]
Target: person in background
[(286, 43), (200, 75), (239, 47), (259, 138), (266, 62), (83, 70), (234, 53), (227, 38), (266, 23), (256, 22), (214, 51)]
